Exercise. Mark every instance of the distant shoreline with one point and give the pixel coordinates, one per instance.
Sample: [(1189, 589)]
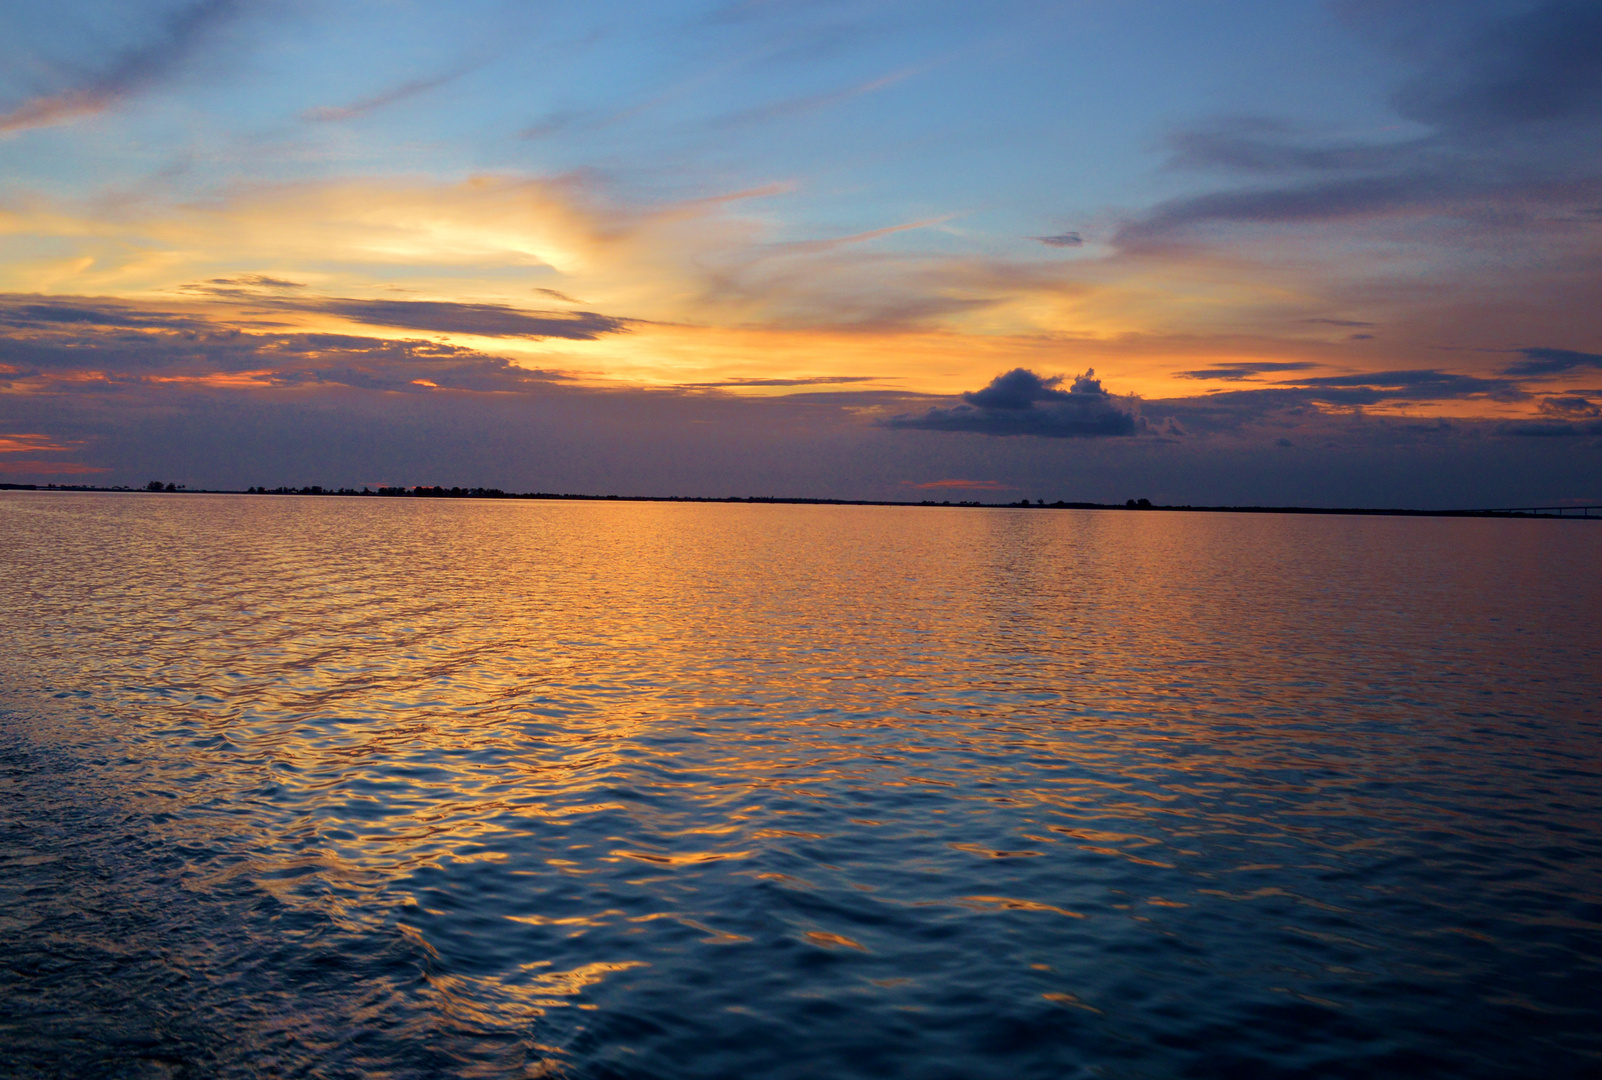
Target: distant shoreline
[(1582, 513)]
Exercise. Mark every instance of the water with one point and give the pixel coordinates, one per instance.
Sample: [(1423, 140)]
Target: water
[(301, 787)]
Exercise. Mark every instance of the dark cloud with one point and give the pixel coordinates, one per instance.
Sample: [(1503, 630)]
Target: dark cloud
[(43, 314), (1512, 98), (1301, 401), (1544, 362), (554, 295), (1260, 145), (128, 73), (1339, 322), (212, 405), (1570, 406), (259, 281), (1020, 402), (1342, 391), (48, 342), (1236, 372), (1418, 385), (25, 312), (1062, 240), (435, 316), (486, 320), (241, 287), (816, 380), (1542, 64), (1326, 200)]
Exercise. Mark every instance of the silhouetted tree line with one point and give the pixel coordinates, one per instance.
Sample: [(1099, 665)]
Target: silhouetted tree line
[(413, 492), (439, 492)]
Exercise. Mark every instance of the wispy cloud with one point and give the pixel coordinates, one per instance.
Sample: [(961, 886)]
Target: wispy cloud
[(550, 124), (134, 70), (1238, 371), (18, 443), (1416, 385), (799, 106), (967, 485), (812, 247), (815, 380), (398, 93), (484, 320), (1512, 100)]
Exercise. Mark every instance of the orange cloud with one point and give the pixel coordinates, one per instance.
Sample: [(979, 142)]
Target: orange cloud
[(219, 380), (711, 290), (31, 444), (970, 485)]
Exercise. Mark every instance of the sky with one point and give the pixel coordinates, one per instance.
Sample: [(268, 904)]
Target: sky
[(1315, 252)]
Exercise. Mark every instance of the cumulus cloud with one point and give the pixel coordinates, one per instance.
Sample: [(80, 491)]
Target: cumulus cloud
[(1021, 402), (1570, 406), (99, 385)]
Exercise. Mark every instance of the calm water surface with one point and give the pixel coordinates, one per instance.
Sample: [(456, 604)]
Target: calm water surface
[(302, 787)]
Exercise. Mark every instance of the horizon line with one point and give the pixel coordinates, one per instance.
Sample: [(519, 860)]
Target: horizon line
[(1566, 511)]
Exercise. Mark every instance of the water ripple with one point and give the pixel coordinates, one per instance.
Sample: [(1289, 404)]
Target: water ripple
[(338, 788)]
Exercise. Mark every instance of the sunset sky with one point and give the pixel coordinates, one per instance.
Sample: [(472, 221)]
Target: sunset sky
[(1338, 252)]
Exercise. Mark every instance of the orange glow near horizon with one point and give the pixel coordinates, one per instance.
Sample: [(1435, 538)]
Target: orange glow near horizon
[(694, 294)]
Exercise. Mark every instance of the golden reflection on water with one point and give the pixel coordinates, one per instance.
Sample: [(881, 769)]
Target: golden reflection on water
[(585, 754)]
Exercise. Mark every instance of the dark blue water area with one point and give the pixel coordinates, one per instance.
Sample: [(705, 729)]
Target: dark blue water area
[(708, 792)]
